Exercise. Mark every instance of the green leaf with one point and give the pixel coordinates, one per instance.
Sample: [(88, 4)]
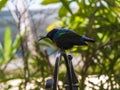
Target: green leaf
[(45, 2), (63, 12), (100, 35), (66, 4), (7, 43), (44, 44), (2, 3), (112, 17), (16, 44)]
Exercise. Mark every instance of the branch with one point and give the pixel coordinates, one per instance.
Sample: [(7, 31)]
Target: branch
[(66, 5), (48, 60), (12, 12), (108, 43)]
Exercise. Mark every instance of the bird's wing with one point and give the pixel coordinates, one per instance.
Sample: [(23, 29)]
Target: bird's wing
[(60, 33), (70, 38)]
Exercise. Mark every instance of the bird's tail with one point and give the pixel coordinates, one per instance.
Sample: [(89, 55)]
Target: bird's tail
[(88, 39)]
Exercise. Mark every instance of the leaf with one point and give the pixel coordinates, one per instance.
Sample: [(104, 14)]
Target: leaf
[(16, 44), (63, 12), (7, 43), (45, 2), (2, 3), (66, 4), (85, 48), (100, 35), (54, 25), (44, 44)]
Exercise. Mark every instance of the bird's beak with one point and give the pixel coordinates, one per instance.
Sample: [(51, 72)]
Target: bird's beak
[(42, 38)]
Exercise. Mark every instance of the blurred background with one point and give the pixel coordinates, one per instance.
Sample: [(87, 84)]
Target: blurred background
[(26, 63)]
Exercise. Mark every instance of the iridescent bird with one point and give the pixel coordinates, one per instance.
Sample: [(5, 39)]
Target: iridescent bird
[(66, 39)]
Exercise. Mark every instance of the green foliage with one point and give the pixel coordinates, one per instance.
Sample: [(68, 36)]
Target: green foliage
[(7, 52), (63, 11), (2, 3), (7, 44), (45, 2), (38, 67), (9, 49), (98, 19)]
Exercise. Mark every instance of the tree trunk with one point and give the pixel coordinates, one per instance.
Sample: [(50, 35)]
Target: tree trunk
[(27, 32)]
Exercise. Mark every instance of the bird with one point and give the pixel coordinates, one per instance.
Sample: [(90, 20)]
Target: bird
[(65, 39)]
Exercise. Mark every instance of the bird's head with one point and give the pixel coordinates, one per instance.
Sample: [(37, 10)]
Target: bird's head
[(50, 34)]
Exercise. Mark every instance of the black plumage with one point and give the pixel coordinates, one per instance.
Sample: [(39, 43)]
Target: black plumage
[(66, 39)]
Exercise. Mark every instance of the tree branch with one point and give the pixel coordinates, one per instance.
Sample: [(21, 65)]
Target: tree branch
[(108, 43)]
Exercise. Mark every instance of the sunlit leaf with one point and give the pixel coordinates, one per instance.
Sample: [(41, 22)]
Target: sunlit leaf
[(106, 38), (16, 44), (45, 2), (2, 3), (56, 24), (84, 48), (63, 12), (74, 49), (7, 43), (44, 44), (100, 35), (104, 3)]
